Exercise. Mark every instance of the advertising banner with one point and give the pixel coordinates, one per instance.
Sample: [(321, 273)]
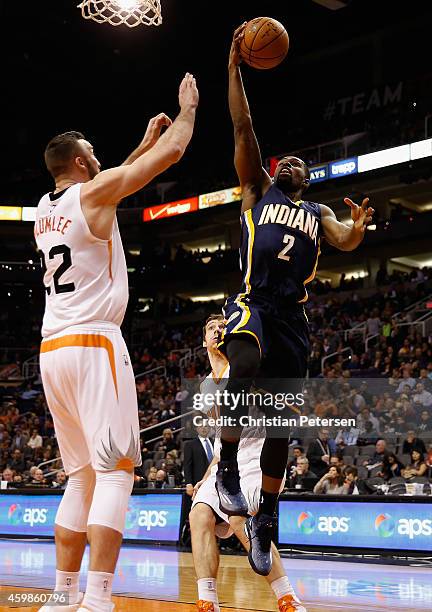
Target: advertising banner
[(171, 209), (149, 517), (387, 526), (319, 173), (343, 167), (215, 198)]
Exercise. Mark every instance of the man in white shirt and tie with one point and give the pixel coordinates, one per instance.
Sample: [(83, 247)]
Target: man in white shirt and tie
[(205, 441), (198, 454)]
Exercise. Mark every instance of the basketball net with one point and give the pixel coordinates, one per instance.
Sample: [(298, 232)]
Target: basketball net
[(123, 12)]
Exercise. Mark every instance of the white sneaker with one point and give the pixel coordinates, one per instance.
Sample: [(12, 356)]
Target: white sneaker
[(61, 608)]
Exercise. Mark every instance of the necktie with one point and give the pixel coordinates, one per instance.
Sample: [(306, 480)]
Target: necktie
[(209, 450)]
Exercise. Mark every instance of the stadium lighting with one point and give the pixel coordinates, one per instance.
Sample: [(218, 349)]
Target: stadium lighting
[(208, 298), (382, 159)]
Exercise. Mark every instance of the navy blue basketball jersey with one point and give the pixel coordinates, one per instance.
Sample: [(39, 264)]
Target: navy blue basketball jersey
[(280, 246)]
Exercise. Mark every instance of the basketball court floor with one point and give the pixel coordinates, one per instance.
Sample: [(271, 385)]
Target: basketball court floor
[(156, 579)]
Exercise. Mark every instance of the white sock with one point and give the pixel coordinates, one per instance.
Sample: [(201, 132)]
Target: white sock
[(68, 582), (282, 587), (98, 592), (207, 590)]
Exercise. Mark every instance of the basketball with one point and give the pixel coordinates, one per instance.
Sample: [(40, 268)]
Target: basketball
[(265, 43)]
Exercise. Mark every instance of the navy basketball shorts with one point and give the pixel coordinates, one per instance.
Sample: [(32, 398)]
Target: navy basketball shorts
[(282, 335)]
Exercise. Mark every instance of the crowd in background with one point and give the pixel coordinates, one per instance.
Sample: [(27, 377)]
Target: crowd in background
[(392, 408)]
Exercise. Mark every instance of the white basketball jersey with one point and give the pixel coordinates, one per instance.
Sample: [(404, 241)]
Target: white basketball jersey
[(85, 277)]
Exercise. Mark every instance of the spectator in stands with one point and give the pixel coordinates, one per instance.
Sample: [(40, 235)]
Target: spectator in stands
[(425, 423), (38, 479), (35, 440), (334, 340), (373, 323), (352, 484), (378, 456), (167, 443), (19, 440), (8, 475), (337, 460), (166, 411), (331, 483), (151, 477), (197, 456), (347, 436), (417, 467), (17, 463), (365, 416), (60, 480), (29, 393), (18, 480), (319, 453), (31, 473), (172, 469), (298, 451), (407, 379), (424, 377), (299, 472), (391, 467), (413, 443), (421, 396), (161, 479), (369, 436)]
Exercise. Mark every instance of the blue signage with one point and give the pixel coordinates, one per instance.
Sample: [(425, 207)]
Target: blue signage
[(149, 517), (392, 526), (318, 173), (343, 167)]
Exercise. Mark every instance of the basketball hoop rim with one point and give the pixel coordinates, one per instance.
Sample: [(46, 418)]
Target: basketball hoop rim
[(148, 12)]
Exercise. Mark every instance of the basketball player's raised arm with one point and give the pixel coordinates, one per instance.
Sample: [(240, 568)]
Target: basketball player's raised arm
[(151, 137), (254, 180), (345, 237), (110, 186)]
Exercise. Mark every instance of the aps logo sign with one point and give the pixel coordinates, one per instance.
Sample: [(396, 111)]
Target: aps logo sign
[(307, 523), (148, 519), (386, 526), (32, 516)]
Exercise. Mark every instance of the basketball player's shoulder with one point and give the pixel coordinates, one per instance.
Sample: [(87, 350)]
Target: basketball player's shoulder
[(43, 205), (312, 207)]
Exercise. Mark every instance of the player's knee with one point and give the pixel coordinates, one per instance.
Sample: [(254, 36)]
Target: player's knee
[(75, 505), (82, 482), (110, 499), (237, 523), (244, 357), (201, 518)]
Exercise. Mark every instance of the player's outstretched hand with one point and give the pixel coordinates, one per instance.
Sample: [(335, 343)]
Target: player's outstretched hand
[(361, 215), (235, 58), (154, 129), (188, 92)]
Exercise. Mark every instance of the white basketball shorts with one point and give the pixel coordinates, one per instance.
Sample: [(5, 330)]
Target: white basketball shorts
[(248, 459), (90, 390)]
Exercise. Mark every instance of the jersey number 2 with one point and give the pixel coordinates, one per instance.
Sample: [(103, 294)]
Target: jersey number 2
[(289, 241), (64, 250)]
